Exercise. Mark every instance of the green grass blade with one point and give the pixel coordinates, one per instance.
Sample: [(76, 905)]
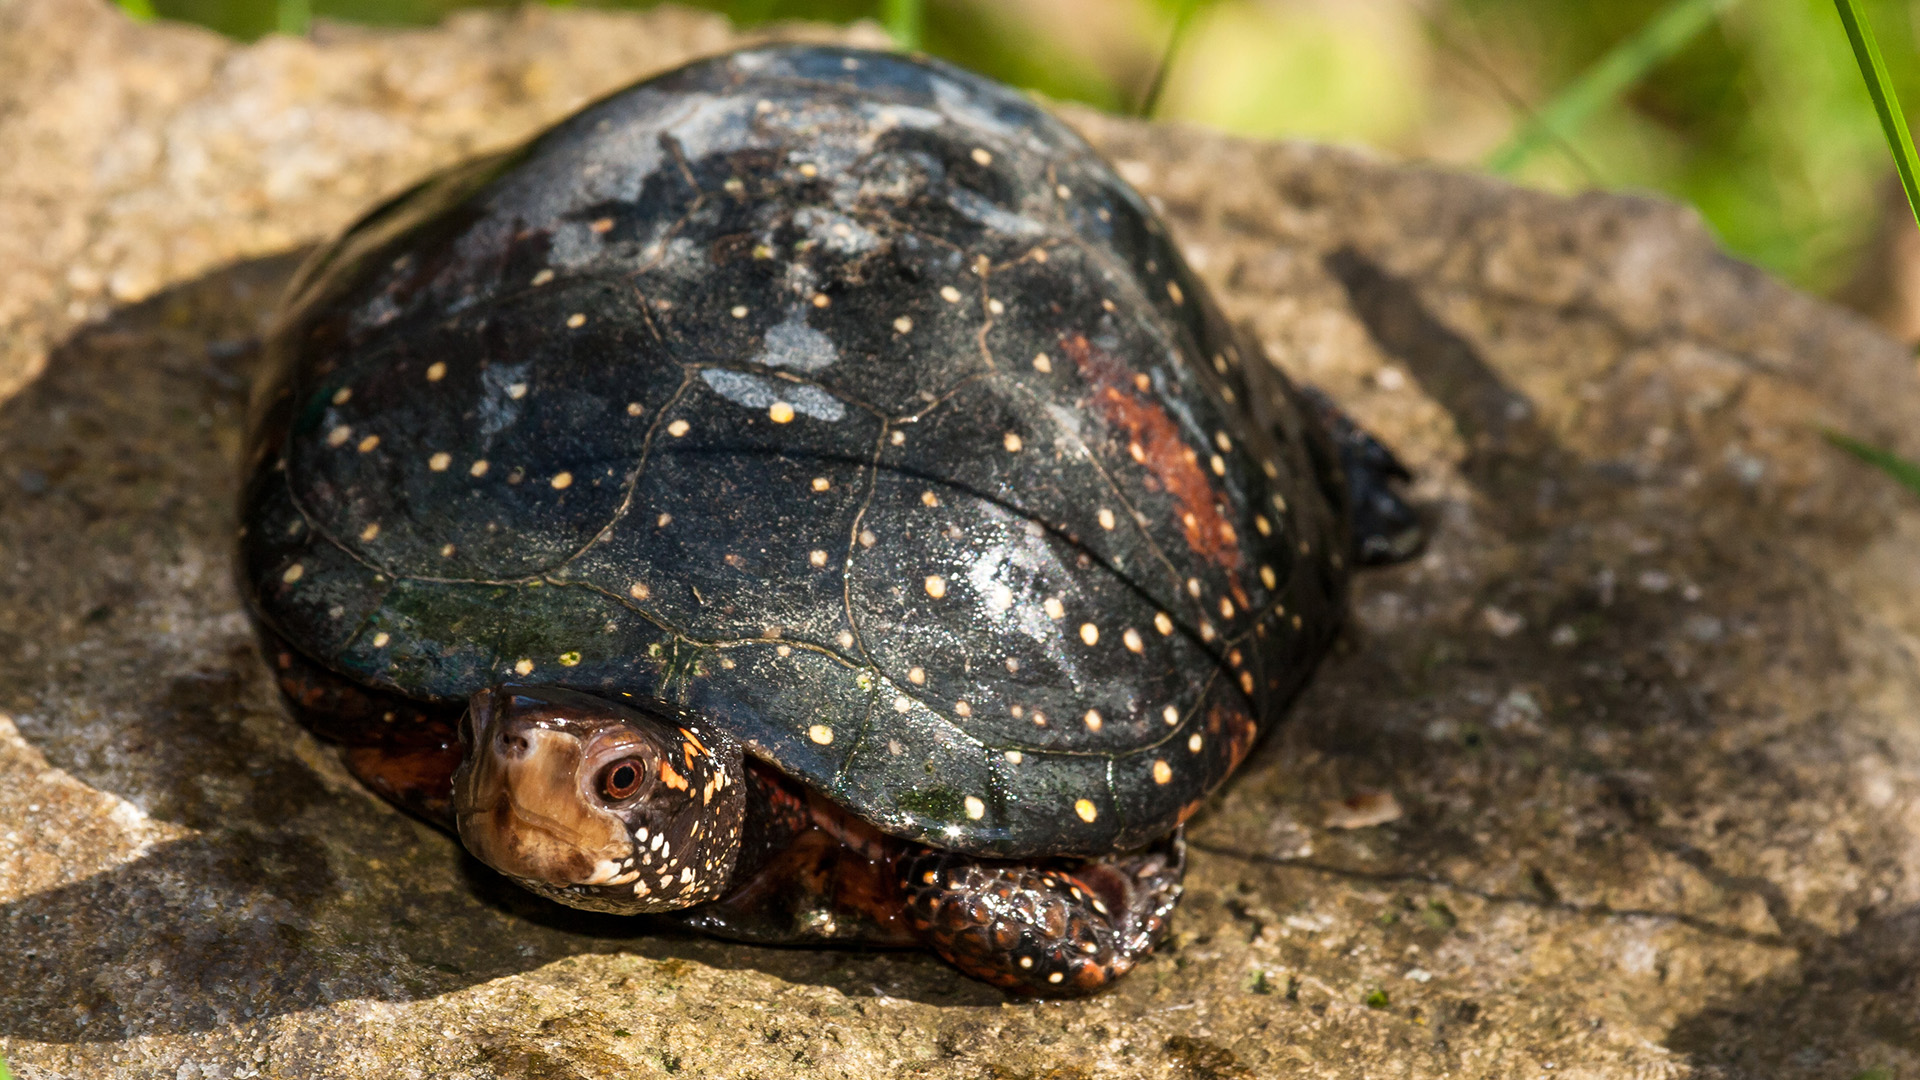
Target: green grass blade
[(1866, 52), (1182, 21), (904, 20), (141, 10), (1623, 65), (1902, 470)]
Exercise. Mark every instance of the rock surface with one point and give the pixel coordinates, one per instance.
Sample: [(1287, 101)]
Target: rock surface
[(1621, 778)]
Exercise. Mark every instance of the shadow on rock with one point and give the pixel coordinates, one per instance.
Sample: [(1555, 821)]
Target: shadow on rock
[(1849, 1005), (125, 660)]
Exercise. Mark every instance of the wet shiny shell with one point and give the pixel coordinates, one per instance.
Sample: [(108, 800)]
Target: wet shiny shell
[(846, 398)]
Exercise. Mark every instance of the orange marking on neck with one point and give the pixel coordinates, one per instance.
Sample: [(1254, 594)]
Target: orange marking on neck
[(1167, 458), (695, 740), (670, 778)]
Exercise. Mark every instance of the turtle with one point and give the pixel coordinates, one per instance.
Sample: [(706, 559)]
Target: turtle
[(803, 497)]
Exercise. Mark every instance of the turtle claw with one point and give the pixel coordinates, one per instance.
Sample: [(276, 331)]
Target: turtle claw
[(1386, 528), (1060, 928)]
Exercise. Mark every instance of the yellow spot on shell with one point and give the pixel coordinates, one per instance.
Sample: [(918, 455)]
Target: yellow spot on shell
[(1042, 363), (1194, 742), (479, 468), (339, 436), (367, 444), (975, 808), (1053, 607), (517, 391), (440, 461), (739, 311), (294, 573), (1106, 518), (1162, 772), (820, 733), (936, 586), (562, 481), (1089, 633), (569, 659), (1087, 812), (576, 320), (1246, 682), (634, 408), (961, 708), (1218, 465), (817, 557), (1264, 526), (436, 371), (542, 277), (1012, 443), (903, 325), (1094, 720), (981, 156), (1132, 640), (1173, 292), (821, 483), (341, 395), (950, 294), (370, 531), (524, 667), (1171, 714), (380, 639), (1162, 623), (780, 412), (678, 428), (1267, 578)]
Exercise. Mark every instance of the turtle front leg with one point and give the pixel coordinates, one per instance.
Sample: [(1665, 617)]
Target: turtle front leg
[(1059, 928)]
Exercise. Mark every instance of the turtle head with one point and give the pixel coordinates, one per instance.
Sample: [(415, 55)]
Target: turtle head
[(622, 807)]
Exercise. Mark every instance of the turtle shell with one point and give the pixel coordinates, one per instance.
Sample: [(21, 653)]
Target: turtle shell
[(844, 397)]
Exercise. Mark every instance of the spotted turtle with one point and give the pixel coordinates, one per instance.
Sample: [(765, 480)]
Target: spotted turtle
[(807, 494)]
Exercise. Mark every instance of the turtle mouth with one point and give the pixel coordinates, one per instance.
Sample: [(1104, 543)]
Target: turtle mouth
[(521, 803)]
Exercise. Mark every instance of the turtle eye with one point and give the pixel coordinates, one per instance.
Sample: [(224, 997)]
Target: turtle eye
[(621, 779)]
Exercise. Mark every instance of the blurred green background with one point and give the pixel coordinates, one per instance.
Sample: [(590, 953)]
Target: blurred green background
[(1750, 110)]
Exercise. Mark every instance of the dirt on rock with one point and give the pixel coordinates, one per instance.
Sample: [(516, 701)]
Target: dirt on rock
[(1647, 710)]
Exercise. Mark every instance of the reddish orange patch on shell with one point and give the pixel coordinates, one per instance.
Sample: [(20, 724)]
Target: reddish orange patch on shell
[(1166, 457)]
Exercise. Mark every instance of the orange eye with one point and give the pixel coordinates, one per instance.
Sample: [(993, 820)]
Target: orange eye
[(620, 779)]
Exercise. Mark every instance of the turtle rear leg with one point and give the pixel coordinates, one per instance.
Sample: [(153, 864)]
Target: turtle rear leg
[(1386, 528), (1058, 928), (403, 750)]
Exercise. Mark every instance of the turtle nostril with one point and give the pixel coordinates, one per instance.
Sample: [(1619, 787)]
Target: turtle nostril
[(513, 746)]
